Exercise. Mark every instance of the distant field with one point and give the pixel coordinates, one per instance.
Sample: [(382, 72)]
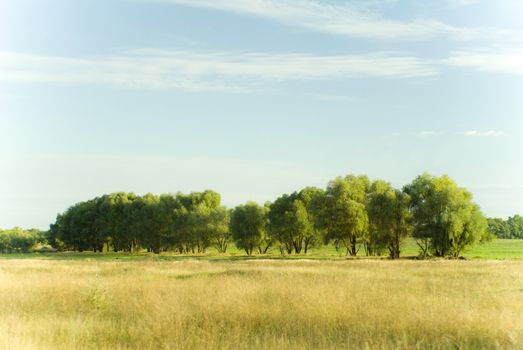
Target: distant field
[(260, 304), (497, 249)]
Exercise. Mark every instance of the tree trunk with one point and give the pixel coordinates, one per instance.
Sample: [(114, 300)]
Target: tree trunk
[(353, 250), (297, 247)]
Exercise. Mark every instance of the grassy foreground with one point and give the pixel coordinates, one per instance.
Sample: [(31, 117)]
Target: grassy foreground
[(260, 304)]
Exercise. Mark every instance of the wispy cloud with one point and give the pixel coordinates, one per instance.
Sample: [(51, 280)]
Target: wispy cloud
[(460, 3), (332, 98), (348, 18), (197, 71), (430, 133), (240, 72), (508, 61), (470, 133), (489, 133)]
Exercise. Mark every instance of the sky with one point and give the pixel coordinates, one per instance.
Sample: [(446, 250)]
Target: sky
[(255, 98)]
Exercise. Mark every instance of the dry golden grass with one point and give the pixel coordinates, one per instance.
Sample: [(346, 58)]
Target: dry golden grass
[(261, 304)]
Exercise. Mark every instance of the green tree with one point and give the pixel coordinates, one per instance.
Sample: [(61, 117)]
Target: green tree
[(389, 218), (294, 220), (499, 228), (199, 221), (146, 225), (313, 200), (289, 222), (117, 221), (248, 227), (80, 227), (209, 225), (219, 227), (516, 226), (18, 240), (446, 219), (345, 218)]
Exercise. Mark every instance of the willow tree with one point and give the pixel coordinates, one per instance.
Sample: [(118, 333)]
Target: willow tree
[(345, 217), (389, 217), (294, 220), (199, 221), (248, 227), (209, 225), (117, 220), (313, 200), (288, 222), (446, 219), (147, 224)]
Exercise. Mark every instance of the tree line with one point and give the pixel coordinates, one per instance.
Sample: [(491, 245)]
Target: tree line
[(352, 213), (512, 228)]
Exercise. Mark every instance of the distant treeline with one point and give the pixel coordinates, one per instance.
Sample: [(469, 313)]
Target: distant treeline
[(352, 213), (18, 240), (512, 228)]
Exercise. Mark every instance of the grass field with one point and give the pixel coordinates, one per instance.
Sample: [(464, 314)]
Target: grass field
[(260, 304), (212, 301), (496, 249)]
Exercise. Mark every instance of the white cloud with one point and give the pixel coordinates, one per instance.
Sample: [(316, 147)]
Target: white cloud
[(239, 72), (353, 19), (430, 133), (490, 133), (470, 133), (197, 71), (332, 98), (507, 61), (460, 3)]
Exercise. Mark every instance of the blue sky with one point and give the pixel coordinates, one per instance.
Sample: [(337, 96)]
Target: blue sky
[(254, 98)]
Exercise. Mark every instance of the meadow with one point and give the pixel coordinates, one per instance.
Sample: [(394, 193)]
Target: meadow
[(495, 249), (115, 301)]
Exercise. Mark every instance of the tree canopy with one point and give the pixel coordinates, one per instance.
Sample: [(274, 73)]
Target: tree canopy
[(352, 212), (248, 226), (512, 228), (389, 217), (446, 219), (346, 221), (18, 240)]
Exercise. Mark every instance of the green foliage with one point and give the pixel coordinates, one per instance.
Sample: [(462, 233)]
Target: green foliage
[(351, 213), (512, 228), (389, 218), (18, 240), (209, 225), (346, 221), (516, 226), (284, 225), (313, 200), (446, 220), (499, 227), (199, 221), (294, 220), (116, 217), (248, 228)]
